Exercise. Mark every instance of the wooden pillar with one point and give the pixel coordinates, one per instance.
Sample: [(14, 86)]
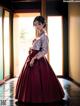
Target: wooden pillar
[(11, 47), (43, 8), (43, 13)]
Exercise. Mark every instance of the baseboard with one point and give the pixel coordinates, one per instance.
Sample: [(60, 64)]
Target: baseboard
[(71, 79)]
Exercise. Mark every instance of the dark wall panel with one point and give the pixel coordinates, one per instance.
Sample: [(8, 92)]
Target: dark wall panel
[(56, 8), (26, 6), (5, 3)]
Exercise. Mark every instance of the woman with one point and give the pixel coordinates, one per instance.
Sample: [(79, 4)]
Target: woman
[(37, 82)]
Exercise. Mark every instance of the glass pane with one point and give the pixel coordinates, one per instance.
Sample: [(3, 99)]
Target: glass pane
[(6, 44), (1, 51), (55, 43), (24, 33)]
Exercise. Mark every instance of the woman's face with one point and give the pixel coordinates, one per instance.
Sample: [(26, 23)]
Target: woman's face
[(38, 26)]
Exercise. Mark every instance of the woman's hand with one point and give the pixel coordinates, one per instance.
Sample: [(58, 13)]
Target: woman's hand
[(32, 61)]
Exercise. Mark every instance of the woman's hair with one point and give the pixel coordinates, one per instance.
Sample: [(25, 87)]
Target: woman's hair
[(40, 19)]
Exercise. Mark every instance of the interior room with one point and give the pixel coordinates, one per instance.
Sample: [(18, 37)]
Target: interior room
[(17, 33)]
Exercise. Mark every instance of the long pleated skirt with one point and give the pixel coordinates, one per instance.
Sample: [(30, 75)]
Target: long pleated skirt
[(38, 84)]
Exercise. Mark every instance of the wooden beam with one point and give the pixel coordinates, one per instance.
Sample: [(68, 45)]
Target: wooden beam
[(13, 1)]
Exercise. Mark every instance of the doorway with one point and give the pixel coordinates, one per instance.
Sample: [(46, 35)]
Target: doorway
[(23, 34), (4, 45), (55, 35)]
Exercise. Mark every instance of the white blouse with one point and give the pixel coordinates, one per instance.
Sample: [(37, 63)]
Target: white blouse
[(41, 43)]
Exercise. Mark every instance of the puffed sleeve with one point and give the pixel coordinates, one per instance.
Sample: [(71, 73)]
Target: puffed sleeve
[(44, 47)]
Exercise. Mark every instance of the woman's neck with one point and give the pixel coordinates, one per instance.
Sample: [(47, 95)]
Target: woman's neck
[(40, 33)]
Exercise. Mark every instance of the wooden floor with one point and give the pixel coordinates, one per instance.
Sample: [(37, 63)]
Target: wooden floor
[(72, 94)]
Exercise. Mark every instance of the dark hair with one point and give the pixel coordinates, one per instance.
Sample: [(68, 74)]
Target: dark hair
[(40, 19)]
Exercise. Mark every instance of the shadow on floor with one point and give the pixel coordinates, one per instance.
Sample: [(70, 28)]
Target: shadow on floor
[(60, 103)]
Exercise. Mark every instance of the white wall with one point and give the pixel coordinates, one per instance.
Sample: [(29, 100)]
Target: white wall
[(74, 40)]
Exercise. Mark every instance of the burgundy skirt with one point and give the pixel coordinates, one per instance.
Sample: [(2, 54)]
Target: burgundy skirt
[(38, 84)]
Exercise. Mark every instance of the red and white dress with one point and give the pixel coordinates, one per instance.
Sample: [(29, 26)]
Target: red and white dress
[(38, 84)]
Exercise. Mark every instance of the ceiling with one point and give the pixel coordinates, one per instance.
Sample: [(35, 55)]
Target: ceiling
[(31, 0)]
